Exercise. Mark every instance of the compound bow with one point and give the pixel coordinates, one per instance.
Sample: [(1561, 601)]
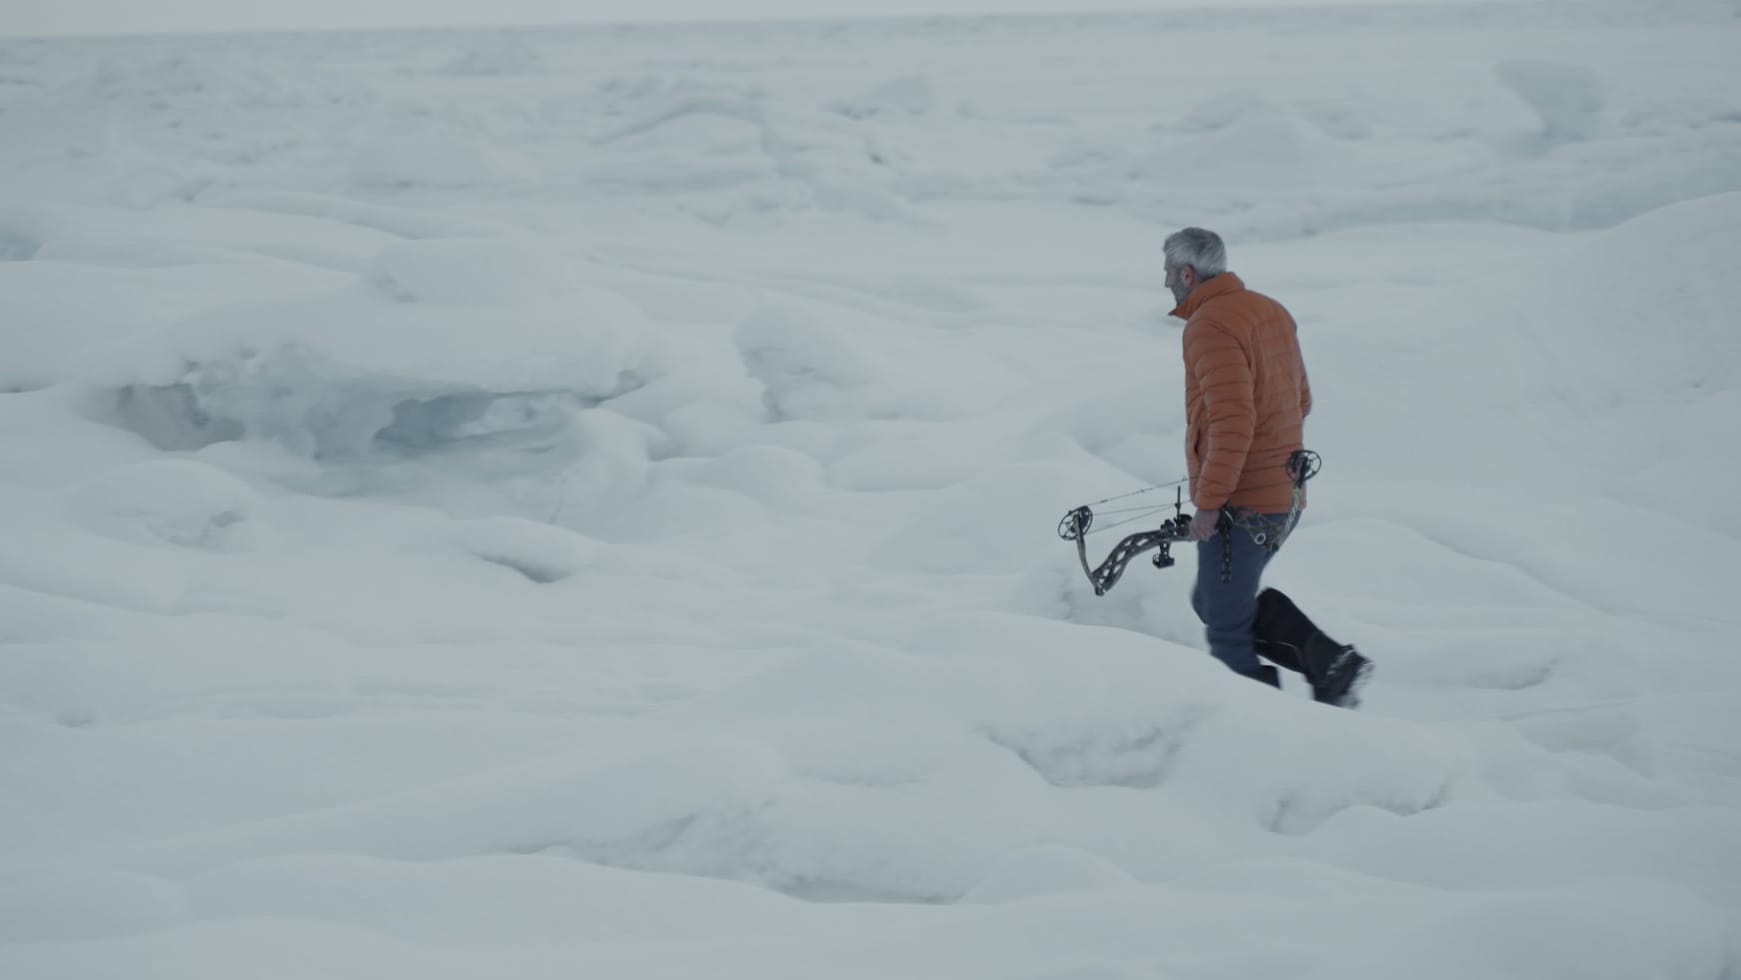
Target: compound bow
[(1076, 524), (1302, 465)]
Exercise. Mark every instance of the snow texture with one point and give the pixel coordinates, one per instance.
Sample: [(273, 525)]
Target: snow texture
[(581, 501)]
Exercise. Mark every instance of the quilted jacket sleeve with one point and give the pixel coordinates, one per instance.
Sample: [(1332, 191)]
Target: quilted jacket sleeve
[(1224, 379)]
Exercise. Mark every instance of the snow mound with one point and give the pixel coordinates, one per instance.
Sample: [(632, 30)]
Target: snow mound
[(74, 903), (1245, 142), (814, 367), (1046, 870), (1648, 359), (46, 557), (172, 501), (692, 139), (665, 807), (350, 371), (570, 900), (1218, 112), (395, 221), (423, 154), (768, 473), (26, 229), (1668, 934), (84, 279), (1695, 242), (664, 136), (1568, 98), (482, 271), (493, 57), (810, 368), (910, 95), (965, 528), (541, 552), (202, 74)]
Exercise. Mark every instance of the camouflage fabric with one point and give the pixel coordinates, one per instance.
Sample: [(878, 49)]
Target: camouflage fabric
[(1268, 531)]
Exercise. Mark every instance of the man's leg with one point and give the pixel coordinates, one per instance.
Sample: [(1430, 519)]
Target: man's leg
[(1336, 671), (1229, 608)]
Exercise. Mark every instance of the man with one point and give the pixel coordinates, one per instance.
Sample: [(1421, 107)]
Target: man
[(1246, 400)]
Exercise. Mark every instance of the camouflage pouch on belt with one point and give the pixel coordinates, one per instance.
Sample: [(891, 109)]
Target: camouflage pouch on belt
[(1267, 531)]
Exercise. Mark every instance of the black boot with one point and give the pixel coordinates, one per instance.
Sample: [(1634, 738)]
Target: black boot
[(1280, 654), (1289, 638), (1265, 674)]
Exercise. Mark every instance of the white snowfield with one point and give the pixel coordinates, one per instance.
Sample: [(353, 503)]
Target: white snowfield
[(581, 502)]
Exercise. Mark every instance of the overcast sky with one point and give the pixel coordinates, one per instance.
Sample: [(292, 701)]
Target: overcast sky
[(57, 17)]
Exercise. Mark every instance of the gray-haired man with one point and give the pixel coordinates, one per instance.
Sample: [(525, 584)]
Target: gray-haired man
[(1246, 401)]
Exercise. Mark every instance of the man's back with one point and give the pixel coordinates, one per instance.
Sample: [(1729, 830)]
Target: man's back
[(1246, 396)]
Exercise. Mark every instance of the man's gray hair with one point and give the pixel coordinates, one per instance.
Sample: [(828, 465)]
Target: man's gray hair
[(1198, 248)]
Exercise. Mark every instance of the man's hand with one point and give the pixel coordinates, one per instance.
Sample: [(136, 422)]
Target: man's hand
[(1203, 524)]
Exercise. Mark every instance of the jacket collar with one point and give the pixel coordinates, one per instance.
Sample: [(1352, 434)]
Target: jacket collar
[(1220, 285)]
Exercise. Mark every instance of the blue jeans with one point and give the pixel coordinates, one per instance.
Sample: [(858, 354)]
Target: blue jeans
[(1228, 608)]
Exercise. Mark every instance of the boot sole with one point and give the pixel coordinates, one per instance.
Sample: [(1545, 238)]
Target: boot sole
[(1350, 697)]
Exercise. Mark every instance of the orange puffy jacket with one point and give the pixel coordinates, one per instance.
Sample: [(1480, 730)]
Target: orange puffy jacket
[(1246, 396)]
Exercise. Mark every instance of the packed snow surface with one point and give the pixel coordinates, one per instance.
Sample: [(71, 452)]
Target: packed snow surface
[(581, 502)]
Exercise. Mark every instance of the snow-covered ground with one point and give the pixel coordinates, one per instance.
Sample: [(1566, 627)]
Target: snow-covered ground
[(581, 502)]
